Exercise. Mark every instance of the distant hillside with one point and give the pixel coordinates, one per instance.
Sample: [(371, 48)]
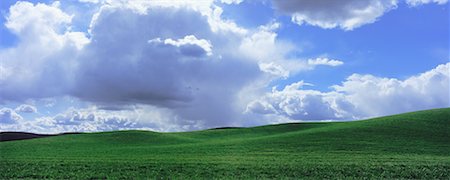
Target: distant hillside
[(11, 136), (411, 145)]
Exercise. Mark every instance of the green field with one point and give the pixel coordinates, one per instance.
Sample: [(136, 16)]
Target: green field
[(412, 145)]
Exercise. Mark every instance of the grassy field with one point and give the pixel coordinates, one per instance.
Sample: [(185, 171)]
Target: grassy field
[(412, 145)]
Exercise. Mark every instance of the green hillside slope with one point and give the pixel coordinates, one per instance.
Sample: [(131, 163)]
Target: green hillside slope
[(411, 145)]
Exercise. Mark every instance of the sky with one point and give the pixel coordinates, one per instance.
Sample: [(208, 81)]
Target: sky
[(103, 65)]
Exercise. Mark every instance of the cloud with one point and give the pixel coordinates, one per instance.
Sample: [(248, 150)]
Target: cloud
[(94, 119), (421, 2), (274, 69), (121, 65), (43, 16), (90, 1), (360, 96), (272, 54), (178, 60), (26, 108), (324, 61), (72, 120), (44, 56), (297, 104), (9, 116), (345, 14), (189, 45), (380, 96), (231, 1)]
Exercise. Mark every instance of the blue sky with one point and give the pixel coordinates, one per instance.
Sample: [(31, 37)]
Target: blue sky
[(186, 65)]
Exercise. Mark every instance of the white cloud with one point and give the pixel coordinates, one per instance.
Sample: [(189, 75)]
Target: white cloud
[(324, 61), (119, 66), (160, 72), (421, 2), (345, 14), (24, 15), (274, 69), (192, 68), (44, 56), (9, 116), (231, 1), (297, 104), (272, 54), (359, 96), (189, 45), (380, 96), (75, 120), (26, 108), (206, 7), (90, 1), (263, 47), (94, 119)]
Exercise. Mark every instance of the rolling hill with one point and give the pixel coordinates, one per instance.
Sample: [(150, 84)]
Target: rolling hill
[(411, 145)]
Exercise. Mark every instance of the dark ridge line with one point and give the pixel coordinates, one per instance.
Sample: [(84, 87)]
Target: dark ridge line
[(219, 128), (15, 136)]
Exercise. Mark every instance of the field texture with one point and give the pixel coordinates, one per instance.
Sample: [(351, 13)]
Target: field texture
[(413, 145)]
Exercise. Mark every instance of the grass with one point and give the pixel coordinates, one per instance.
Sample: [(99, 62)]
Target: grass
[(413, 146)]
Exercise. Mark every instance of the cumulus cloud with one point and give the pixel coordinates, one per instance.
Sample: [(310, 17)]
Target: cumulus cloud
[(44, 56), (324, 61), (421, 2), (380, 96), (137, 54), (345, 14), (90, 1), (298, 104), (93, 119), (144, 57), (72, 120), (9, 116), (26, 108), (359, 96), (189, 45), (231, 1), (19, 19), (176, 69), (263, 47)]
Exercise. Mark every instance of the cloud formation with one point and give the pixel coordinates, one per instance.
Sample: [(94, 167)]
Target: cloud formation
[(343, 14), (180, 56), (26, 108), (421, 2), (94, 119), (231, 1), (189, 45), (324, 61), (378, 96), (9, 116), (43, 60), (133, 56), (360, 96), (193, 71), (296, 104)]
